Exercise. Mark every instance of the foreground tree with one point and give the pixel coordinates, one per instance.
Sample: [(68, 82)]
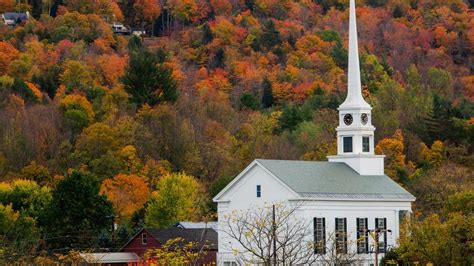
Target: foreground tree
[(178, 252), (77, 213), (437, 242), (333, 255), (18, 236), (25, 196), (256, 233)]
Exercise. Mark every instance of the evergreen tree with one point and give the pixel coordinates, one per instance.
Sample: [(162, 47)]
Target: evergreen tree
[(77, 213), (339, 54), (149, 81), (290, 118), (397, 12), (135, 44), (218, 60), (267, 97), (250, 4), (377, 3), (270, 36), (327, 4), (207, 35), (248, 101), (49, 81)]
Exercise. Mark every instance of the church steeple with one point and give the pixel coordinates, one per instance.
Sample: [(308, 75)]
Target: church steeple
[(354, 88), (355, 133)]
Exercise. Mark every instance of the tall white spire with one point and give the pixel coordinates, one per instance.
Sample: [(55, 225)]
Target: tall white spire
[(355, 133), (354, 88)]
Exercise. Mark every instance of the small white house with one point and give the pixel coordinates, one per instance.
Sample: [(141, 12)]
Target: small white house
[(14, 18), (347, 195)]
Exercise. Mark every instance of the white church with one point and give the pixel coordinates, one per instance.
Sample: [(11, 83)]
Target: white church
[(349, 195)]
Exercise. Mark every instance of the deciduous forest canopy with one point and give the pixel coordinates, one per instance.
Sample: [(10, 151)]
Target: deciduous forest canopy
[(97, 127)]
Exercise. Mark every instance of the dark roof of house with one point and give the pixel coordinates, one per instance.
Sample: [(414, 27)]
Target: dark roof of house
[(201, 236), (312, 179), (15, 16)]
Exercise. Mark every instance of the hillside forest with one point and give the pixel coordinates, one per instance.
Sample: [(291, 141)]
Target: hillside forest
[(98, 128)]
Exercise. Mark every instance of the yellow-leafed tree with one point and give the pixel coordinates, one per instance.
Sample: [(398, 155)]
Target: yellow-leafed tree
[(178, 198)]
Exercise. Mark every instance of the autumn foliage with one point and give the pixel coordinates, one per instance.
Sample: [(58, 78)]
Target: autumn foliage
[(128, 193), (156, 125)]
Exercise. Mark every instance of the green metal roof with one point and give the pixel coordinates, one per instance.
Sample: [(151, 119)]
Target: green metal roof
[(333, 180)]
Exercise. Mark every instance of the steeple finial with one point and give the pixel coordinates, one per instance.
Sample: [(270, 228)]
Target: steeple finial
[(354, 88)]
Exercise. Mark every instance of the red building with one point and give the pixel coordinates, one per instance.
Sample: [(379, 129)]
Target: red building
[(151, 238)]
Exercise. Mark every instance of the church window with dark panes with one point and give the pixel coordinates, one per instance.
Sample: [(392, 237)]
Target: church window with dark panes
[(319, 235), (381, 224), (341, 235), (259, 191), (347, 144), (362, 236), (365, 144), (144, 239)]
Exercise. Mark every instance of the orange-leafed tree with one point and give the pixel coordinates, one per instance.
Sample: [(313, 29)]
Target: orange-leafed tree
[(128, 193), (6, 5), (221, 7), (8, 53), (185, 10), (116, 11), (111, 67), (147, 10), (393, 148)]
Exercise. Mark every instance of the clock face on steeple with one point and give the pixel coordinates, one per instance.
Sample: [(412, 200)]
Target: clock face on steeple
[(364, 118), (348, 119)]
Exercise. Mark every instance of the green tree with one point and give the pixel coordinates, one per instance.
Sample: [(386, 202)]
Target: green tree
[(48, 81), (249, 101), (96, 140), (462, 202), (18, 236), (267, 97), (377, 3), (438, 242), (434, 187), (439, 80), (26, 196), (270, 36), (179, 197), (339, 54), (328, 4), (292, 115), (147, 80), (37, 172), (77, 213), (77, 75)]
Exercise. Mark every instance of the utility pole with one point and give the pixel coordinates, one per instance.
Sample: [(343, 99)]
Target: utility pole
[(274, 236)]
